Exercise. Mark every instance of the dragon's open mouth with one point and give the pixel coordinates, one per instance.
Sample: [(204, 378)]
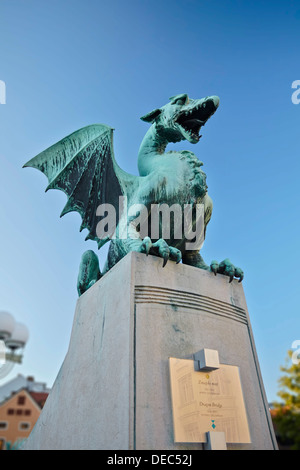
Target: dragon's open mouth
[(192, 120)]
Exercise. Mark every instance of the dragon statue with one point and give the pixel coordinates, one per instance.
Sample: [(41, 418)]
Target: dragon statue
[(83, 166)]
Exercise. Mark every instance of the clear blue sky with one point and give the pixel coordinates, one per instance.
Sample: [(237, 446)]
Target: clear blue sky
[(67, 64)]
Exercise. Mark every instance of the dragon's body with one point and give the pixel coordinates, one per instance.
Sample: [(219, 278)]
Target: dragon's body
[(84, 167)]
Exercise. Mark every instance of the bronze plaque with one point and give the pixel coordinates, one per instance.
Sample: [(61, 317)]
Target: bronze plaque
[(207, 401)]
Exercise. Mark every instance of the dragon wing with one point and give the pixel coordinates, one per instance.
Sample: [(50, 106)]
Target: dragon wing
[(83, 166)]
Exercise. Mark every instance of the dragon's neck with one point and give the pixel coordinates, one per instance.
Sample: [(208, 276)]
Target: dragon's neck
[(152, 148)]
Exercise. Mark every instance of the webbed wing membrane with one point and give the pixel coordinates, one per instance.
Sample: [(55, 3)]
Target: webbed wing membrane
[(82, 165)]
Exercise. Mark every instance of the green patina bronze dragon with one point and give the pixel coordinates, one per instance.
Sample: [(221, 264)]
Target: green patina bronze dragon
[(84, 167)]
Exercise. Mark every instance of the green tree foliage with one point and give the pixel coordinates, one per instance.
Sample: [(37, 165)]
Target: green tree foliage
[(287, 418)]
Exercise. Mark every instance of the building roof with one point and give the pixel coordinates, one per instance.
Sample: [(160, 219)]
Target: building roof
[(37, 400), (20, 382), (39, 397)]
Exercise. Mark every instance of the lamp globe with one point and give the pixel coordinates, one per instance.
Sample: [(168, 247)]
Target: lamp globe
[(19, 337), (7, 325)]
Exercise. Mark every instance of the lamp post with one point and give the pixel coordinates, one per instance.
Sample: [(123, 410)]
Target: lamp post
[(13, 336)]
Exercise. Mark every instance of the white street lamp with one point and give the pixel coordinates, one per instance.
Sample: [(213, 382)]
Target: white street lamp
[(18, 337), (13, 336), (7, 325)]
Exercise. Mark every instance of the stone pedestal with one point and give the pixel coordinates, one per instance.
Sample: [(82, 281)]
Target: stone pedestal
[(113, 389)]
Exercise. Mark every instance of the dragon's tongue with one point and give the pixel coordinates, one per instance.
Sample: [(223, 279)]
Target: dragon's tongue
[(194, 121)]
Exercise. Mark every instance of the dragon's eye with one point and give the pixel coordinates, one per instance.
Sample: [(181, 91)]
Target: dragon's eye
[(180, 100)]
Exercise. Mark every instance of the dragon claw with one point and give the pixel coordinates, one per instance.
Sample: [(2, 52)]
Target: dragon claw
[(146, 245), (165, 257), (161, 249), (228, 269), (175, 254), (239, 274), (214, 266)]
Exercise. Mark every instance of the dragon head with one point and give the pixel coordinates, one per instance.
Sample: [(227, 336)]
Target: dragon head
[(183, 117)]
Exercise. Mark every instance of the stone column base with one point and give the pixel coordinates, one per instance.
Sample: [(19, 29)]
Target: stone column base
[(113, 389)]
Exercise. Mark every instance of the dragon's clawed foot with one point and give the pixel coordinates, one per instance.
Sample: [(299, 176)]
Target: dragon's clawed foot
[(161, 249), (228, 269)]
